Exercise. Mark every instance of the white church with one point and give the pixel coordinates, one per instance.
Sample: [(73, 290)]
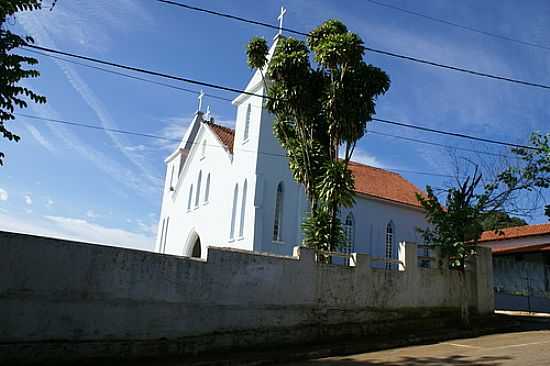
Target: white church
[(233, 188)]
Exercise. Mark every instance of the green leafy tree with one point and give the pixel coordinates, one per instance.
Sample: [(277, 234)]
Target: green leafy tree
[(321, 110), (456, 224), (13, 67), (536, 167), (498, 220)]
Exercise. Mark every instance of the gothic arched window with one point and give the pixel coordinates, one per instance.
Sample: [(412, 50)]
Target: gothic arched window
[(234, 212), (196, 252), (207, 189), (190, 197), (198, 195), (349, 233), (243, 209), (247, 122), (389, 242), (278, 220), (172, 178)]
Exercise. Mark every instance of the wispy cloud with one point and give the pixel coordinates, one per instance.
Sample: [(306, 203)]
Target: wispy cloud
[(39, 137), (45, 32), (75, 229), (363, 157), (92, 214), (28, 199), (174, 130), (3, 195)]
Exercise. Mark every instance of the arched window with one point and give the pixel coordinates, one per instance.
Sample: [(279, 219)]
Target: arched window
[(243, 209), (207, 189), (172, 178), (247, 122), (190, 197), (389, 242), (234, 212), (203, 151), (349, 233), (278, 220), (198, 195), (196, 253)]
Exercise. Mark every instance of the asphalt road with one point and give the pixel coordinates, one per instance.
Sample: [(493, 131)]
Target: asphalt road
[(530, 348)]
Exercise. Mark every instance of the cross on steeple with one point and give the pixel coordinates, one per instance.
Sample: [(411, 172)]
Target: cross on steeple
[(281, 18), (200, 98)]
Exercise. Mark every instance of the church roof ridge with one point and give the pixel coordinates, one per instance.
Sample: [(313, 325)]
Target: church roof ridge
[(369, 180)]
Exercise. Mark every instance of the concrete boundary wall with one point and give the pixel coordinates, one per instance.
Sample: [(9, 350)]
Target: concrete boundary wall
[(65, 300)]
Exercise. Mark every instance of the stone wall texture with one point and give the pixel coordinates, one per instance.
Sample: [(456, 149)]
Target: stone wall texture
[(63, 300)]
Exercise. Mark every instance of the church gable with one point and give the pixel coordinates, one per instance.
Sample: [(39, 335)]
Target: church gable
[(225, 135), (208, 139)]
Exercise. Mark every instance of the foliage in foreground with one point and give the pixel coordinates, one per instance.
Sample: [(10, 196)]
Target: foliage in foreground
[(12, 67)]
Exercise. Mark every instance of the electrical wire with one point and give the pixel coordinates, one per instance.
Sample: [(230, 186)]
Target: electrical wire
[(240, 91), (457, 25), (147, 135), (374, 50)]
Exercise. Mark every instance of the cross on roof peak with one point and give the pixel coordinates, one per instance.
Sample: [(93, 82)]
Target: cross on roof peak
[(281, 18), (200, 98)]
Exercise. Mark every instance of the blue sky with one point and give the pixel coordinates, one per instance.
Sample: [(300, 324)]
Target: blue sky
[(103, 187)]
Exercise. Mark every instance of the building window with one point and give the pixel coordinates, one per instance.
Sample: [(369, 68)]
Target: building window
[(247, 122), (196, 252), (190, 198), (278, 220), (234, 212), (172, 178), (389, 243), (166, 234), (207, 189), (203, 151), (161, 241), (348, 233), (163, 235), (182, 160), (243, 209), (198, 195)]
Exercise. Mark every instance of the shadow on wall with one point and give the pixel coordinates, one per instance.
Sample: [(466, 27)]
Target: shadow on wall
[(454, 360)]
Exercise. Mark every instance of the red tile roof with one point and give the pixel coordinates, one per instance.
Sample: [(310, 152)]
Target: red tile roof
[(369, 181), (516, 232), (383, 184), (225, 134), (498, 249)]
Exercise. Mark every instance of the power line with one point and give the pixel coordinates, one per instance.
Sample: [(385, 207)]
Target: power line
[(84, 125), (374, 50), (457, 25), (141, 70), (141, 134), (431, 143), (230, 16), (191, 91), (455, 134), (235, 90)]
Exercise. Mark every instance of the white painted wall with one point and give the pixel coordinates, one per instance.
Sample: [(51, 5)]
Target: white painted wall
[(61, 299)]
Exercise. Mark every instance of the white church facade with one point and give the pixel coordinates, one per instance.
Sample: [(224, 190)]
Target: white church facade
[(233, 188)]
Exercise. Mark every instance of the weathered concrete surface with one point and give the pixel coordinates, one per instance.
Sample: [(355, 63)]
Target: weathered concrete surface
[(66, 300)]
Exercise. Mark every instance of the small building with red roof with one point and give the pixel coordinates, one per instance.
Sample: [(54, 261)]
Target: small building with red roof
[(521, 266)]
